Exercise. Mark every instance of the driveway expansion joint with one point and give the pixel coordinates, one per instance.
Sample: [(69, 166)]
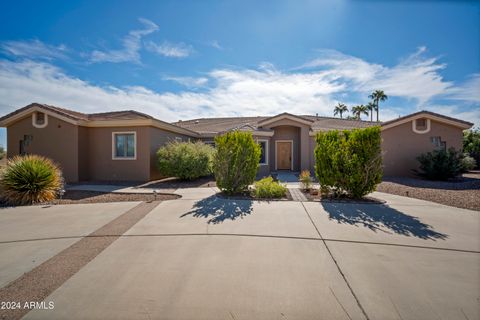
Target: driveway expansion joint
[(337, 265)]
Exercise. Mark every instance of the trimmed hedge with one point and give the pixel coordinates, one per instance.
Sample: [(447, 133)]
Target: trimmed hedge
[(236, 161), (30, 179), (266, 188), (349, 162), (185, 160)]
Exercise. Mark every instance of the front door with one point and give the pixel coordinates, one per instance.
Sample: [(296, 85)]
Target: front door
[(284, 155)]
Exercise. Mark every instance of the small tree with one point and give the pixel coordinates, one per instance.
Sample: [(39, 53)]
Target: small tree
[(236, 161), (349, 162), (2, 153), (185, 160)]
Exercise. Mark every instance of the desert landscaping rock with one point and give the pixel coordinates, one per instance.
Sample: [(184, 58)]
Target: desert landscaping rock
[(460, 193)]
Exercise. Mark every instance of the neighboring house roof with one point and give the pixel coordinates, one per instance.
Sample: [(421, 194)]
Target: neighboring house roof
[(104, 119), (212, 126), (429, 115)]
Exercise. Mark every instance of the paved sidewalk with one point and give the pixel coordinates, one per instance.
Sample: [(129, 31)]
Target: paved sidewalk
[(297, 194)]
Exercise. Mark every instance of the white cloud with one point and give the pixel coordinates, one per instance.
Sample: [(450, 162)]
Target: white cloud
[(416, 77), (189, 81), (168, 49), (131, 46), (34, 49), (315, 88), (215, 44), (468, 91)]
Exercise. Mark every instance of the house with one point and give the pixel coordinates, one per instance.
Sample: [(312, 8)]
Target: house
[(121, 145)]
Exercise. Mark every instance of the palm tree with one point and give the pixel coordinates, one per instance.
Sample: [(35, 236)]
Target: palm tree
[(377, 96), (340, 108), (359, 110), (371, 107)]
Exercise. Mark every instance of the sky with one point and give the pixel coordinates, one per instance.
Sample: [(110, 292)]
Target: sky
[(190, 59)]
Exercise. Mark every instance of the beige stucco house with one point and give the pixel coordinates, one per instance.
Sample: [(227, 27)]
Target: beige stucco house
[(116, 146)]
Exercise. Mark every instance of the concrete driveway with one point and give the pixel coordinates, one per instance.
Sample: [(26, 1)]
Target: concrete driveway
[(203, 257)]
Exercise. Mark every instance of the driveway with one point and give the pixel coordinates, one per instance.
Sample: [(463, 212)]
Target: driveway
[(204, 257)]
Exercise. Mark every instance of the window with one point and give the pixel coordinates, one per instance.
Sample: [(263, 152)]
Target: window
[(421, 125), (264, 155), (124, 146), (178, 139), (39, 119), (438, 143)]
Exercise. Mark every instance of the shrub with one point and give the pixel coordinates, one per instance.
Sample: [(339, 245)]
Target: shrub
[(440, 164), (349, 162), (471, 144), (305, 179), (30, 179), (267, 188), (236, 161), (468, 163), (2, 153), (185, 160)]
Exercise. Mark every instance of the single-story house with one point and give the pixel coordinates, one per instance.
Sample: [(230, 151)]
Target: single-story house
[(121, 145)]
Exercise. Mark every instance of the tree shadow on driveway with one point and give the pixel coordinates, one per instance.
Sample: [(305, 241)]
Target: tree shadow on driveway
[(218, 209), (381, 218)]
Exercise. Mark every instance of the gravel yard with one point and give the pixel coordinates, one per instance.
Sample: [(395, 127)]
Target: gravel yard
[(463, 192), (80, 196)]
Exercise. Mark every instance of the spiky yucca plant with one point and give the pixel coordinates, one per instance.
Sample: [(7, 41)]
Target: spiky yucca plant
[(30, 179)]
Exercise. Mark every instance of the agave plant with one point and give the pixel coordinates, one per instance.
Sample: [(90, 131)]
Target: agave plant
[(30, 179)]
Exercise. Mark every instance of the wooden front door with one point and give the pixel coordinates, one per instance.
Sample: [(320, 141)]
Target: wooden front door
[(284, 155)]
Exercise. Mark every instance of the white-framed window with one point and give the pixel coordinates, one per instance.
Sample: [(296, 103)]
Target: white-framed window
[(124, 145), (264, 155), (39, 119)]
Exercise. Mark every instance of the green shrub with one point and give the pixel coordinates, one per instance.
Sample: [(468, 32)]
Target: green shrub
[(305, 179), (2, 153), (268, 189), (349, 162), (440, 164), (30, 179), (468, 163), (471, 144), (185, 160), (236, 161)]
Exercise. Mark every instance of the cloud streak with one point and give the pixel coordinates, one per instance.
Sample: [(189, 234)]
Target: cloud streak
[(168, 49), (34, 49), (131, 46)]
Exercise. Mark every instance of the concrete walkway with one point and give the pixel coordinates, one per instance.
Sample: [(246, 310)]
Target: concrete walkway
[(205, 257)]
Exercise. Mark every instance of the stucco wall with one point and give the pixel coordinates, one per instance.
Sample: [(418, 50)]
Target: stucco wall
[(83, 154), (57, 141), (101, 166), (401, 145)]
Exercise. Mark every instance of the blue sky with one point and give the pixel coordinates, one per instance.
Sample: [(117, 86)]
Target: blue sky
[(187, 59)]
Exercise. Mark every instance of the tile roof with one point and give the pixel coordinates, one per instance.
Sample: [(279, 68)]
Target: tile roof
[(214, 125), (429, 113), (74, 115)]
